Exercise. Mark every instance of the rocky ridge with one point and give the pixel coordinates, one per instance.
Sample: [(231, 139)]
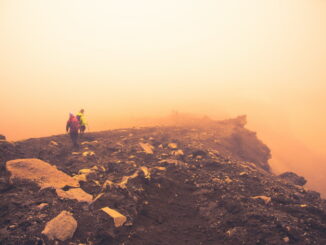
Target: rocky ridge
[(198, 184)]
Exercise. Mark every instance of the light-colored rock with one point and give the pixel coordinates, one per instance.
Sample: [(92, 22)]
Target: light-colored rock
[(178, 153), (94, 142), (75, 194), (147, 148), (286, 239), (118, 218), (96, 182), (52, 142), (125, 179), (98, 197), (146, 172), (61, 227), (106, 184), (42, 205), (88, 153), (264, 198), (122, 184), (172, 145), (80, 177), (83, 173), (173, 161), (42, 173), (228, 180), (231, 232), (217, 180)]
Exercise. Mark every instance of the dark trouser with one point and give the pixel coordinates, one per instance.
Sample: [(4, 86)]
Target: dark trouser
[(82, 128), (74, 137)]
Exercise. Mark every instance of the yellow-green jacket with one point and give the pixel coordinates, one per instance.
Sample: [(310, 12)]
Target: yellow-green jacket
[(81, 119)]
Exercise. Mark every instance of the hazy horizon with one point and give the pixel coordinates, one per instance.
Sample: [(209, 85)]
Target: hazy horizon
[(125, 60)]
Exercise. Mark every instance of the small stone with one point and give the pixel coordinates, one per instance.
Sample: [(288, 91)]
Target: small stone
[(217, 180), (118, 218), (96, 182), (89, 142), (173, 146), (231, 232), (12, 227), (147, 148), (80, 177), (264, 198), (286, 239), (228, 180), (178, 153), (52, 142), (88, 153), (146, 172), (42, 205)]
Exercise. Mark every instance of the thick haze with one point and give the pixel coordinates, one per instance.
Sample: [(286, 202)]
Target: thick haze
[(126, 60)]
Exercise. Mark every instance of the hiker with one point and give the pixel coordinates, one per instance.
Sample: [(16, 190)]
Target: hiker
[(82, 121), (72, 127)]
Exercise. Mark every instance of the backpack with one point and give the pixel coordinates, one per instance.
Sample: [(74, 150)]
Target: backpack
[(74, 124)]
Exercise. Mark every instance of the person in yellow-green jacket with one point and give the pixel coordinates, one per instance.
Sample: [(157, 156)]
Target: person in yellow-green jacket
[(81, 118)]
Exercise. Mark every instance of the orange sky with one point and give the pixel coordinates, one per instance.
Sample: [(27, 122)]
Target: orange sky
[(123, 60)]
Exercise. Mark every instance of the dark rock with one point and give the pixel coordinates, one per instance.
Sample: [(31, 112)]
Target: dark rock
[(293, 178), (2, 137)]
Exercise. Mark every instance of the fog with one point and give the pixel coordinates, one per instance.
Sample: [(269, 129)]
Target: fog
[(125, 61)]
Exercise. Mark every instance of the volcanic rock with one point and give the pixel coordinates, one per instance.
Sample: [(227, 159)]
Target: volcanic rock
[(147, 148), (118, 218), (75, 194), (61, 227), (42, 173), (293, 178)]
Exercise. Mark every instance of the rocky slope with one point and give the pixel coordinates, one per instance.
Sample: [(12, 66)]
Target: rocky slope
[(207, 183)]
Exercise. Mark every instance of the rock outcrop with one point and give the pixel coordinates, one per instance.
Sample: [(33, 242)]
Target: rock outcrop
[(293, 178)]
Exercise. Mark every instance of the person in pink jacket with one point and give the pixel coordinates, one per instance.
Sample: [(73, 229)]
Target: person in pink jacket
[(73, 128)]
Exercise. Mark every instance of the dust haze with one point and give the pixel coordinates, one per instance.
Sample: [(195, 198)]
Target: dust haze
[(132, 64)]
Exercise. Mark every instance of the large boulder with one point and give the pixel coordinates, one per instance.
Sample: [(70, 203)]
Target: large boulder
[(46, 175), (42, 173), (61, 227), (293, 178), (2, 137)]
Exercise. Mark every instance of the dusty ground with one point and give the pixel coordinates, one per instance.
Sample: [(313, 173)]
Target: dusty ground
[(211, 187)]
